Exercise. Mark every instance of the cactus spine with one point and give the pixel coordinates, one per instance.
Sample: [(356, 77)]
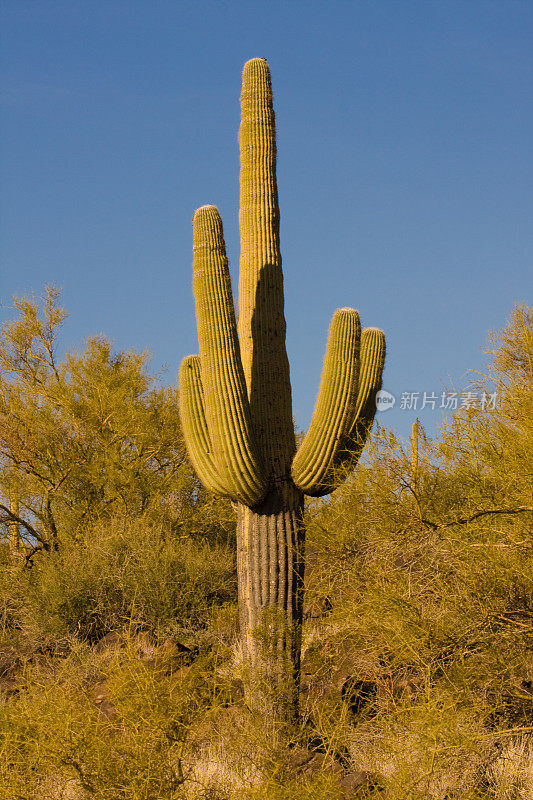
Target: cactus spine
[(236, 410)]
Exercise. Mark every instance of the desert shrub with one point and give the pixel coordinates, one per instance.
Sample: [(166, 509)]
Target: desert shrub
[(126, 573), (422, 654), (54, 737), (417, 666), (422, 565)]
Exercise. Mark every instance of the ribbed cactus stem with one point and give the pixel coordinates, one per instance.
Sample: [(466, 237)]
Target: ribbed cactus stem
[(194, 425), (372, 361), (236, 407), (227, 408), (270, 570), (261, 316), (323, 447), (345, 407)]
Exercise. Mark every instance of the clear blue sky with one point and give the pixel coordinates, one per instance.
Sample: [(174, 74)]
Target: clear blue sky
[(404, 169)]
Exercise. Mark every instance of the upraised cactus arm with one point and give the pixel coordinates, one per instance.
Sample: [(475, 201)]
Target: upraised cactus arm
[(227, 409), (372, 361), (335, 405), (194, 425), (345, 406)]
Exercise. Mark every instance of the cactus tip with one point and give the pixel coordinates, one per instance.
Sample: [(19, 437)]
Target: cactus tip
[(256, 68), (189, 361), (205, 211), (256, 62)]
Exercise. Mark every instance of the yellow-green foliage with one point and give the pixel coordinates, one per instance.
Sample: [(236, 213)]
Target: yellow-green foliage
[(430, 581), (112, 729), (119, 667), (85, 437), (123, 574), (119, 664)]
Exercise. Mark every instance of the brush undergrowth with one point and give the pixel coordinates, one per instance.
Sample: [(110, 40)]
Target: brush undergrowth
[(119, 658)]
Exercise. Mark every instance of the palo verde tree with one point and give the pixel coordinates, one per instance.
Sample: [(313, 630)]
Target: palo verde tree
[(82, 438), (235, 400)]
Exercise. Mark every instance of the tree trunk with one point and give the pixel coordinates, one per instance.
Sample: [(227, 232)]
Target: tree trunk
[(14, 530), (270, 564)]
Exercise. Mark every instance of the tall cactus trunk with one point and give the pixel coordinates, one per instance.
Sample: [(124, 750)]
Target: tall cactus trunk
[(270, 535), (270, 567), (236, 410)]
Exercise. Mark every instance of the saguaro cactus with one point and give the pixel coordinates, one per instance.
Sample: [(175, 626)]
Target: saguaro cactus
[(236, 411)]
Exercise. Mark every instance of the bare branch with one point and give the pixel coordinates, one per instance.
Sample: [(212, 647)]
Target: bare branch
[(31, 530), (478, 514)]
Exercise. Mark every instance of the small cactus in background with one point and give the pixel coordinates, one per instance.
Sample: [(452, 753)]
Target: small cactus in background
[(236, 411)]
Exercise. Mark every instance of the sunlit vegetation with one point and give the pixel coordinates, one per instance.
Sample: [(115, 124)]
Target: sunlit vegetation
[(121, 676)]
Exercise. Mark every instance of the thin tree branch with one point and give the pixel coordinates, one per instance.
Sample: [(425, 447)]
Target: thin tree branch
[(29, 556), (31, 530), (466, 520), (51, 522)]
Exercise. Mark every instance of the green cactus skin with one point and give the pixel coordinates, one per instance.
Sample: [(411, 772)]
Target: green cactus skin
[(345, 407), (236, 410), (227, 409), (192, 410)]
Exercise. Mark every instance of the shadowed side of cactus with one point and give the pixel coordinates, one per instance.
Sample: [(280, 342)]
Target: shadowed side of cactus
[(236, 409)]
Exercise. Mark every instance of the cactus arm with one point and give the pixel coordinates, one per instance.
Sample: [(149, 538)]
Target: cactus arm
[(194, 425), (345, 406), (261, 315), (227, 409), (335, 405), (372, 361)]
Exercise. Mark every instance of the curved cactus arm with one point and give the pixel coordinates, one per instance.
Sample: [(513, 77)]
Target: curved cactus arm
[(194, 425), (227, 409), (345, 407), (372, 361), (333, 416)]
